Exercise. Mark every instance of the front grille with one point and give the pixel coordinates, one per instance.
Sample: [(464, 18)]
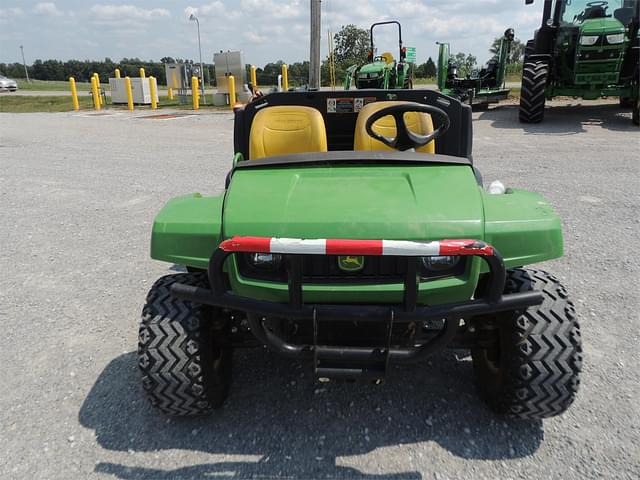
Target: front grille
[(324, 269), (364, 83), (596, 55)]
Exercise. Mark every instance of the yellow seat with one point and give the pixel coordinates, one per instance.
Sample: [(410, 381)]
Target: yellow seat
[(419, 123), (285, 130), (388, 57)]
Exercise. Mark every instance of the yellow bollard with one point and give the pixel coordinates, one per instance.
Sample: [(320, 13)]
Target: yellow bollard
[(195, 94), (99, 93), (74, 94), (170, 93), (232, 91), (141, 72), (95, 93), (152, 91), (117, 72), (254, 78), (127, 86), (285, 77)]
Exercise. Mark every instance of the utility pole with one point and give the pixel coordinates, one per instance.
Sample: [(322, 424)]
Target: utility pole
[(314, 63), (193, 17), (26, 72)]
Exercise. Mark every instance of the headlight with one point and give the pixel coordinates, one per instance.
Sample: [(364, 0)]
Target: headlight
[(440, 264), (589, 40), (265, 261), (615, 39)]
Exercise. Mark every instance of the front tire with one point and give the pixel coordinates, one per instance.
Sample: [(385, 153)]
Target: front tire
[(186, 368), (533, 369), (533, 92)]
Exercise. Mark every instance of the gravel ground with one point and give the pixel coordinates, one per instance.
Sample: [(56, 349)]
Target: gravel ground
[(78, 195)]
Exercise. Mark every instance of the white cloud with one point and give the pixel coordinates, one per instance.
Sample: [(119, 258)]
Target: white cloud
[(8, 13), (273, 9), (110, 13), (47, 8), (254, 37)]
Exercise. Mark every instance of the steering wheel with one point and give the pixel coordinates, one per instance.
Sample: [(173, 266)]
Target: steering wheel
[(405, 139)]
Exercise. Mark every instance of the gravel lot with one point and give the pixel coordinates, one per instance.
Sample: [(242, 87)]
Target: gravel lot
[(78, 195)]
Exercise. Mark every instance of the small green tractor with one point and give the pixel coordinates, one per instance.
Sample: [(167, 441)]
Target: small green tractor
[(479, 88), (586, 49), (382, 71)]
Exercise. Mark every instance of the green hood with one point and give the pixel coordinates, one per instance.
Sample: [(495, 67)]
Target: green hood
[(394, 202), (599, 26), (374, 67)]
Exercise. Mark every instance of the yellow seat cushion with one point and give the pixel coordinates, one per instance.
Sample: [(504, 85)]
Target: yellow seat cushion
[(286, 130), (419, 123)]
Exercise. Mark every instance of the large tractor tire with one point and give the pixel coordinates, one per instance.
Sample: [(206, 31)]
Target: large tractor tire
[(529, 49), (532, 370), (185, 370), (532, 94)]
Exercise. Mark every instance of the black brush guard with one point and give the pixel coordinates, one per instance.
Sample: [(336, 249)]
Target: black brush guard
[(369, 363)]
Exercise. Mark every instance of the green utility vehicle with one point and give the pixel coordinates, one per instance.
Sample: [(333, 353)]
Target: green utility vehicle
[(586, 49), (479, 88), (382, 71), (355, 232)]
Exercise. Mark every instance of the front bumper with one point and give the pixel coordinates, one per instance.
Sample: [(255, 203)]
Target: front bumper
[(492, 299)]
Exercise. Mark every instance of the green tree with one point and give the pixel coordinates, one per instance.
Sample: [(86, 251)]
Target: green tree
[(466, 63), (427, 69), (515, 55), (351, 46)]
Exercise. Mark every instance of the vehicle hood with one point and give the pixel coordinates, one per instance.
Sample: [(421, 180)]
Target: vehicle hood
[(408, 202), (374, 67), (599, 26), (7, 81)]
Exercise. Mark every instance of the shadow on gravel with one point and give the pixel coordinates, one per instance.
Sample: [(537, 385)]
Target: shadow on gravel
[(564, 120), (297, 428)]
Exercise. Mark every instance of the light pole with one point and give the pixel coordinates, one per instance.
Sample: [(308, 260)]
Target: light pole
[(314, 64), (26, 72), (193, 18)]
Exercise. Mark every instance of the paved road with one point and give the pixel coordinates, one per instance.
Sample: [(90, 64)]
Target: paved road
[(78, 195)]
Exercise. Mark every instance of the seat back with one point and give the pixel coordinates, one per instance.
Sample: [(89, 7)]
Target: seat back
[(419, 123), (286, 130), (388, 57)]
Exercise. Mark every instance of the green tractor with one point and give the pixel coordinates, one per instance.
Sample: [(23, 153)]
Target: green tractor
[(586, 49), (480, 88), (382, 71), (355, 238)]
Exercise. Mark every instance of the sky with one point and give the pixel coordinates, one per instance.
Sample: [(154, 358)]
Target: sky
[(265, 30)]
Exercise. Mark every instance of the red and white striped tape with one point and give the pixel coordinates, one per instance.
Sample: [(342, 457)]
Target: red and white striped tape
[(398, 248)]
